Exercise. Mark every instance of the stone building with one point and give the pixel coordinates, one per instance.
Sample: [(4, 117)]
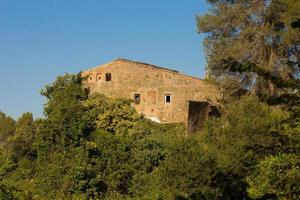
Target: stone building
[(162, 95)]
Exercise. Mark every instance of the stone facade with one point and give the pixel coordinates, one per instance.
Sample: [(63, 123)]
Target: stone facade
[(159, 93)]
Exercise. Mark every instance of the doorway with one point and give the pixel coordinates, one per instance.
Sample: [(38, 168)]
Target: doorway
[(198, 112)]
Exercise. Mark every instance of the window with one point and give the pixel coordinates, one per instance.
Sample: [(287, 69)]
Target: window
[(98, 77), (90, 78), (167, 98), (137, 98), (108, 77)]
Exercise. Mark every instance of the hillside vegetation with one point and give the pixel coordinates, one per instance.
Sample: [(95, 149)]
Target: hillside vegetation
[(93, 147)]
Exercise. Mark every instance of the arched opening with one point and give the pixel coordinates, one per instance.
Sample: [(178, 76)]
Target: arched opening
[(90, 78), (98, 76), (198, 112)]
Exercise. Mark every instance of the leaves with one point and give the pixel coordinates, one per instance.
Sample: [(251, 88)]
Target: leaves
[(7, 127), (254, 42), (276, 174), (94, 147)]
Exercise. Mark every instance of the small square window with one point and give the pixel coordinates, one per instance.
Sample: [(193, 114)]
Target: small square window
[(167, 98), (137, 98), (108, 77)]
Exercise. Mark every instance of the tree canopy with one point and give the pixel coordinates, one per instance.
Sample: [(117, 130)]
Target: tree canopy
[(256, 43)]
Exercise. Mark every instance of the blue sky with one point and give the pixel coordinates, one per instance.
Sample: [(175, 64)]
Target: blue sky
[(41, 39)]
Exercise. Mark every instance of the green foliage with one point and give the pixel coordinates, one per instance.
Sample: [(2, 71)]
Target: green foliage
[(148, 153), (256, 44), (52, 179), (187, 172), (279, 175), (116, 116), (64, 125), (20, 143), (252, 48), (244, 139), (6, 193), (94, 147), (247, 131), (104, 166), (7, 164), (7, 127)]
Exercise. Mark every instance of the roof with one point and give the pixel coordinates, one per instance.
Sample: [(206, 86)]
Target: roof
[(142, 63), (155, 66), (150, 65)]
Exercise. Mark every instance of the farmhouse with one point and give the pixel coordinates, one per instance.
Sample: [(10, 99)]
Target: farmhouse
[(162, 95)]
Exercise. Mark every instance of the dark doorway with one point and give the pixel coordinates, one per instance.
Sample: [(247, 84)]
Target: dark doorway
[(198, 112)]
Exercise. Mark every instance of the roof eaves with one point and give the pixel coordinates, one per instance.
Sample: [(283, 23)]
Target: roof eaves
[(147, 64)]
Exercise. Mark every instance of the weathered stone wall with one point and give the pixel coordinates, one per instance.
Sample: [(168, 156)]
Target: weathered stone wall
[(152, 83)]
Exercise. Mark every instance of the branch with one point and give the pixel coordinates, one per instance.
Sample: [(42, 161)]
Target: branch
[(246, 66)]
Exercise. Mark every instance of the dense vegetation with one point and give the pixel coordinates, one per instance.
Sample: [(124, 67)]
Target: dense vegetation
[(93, 147)]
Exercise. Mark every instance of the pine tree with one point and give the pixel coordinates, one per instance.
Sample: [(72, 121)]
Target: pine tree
[(255, 42)]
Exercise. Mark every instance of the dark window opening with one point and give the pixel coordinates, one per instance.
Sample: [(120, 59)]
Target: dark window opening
[(137, 98), (108, 77), (98, 76), (168, 98)]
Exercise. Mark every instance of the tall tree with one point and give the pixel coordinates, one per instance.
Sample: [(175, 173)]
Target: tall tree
[(256, 42), (64, 124)]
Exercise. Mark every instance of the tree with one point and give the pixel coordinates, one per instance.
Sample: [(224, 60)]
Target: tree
[(116, 116), (20, 143), (64, 124), (255, 42), (187, 172), (276, 176), (253, 47), (7, 127), (83, 144), (57, 136), (7, 165), (102, 167), (247, 133)]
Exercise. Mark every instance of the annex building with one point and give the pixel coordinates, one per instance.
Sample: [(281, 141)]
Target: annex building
[(162, 95)]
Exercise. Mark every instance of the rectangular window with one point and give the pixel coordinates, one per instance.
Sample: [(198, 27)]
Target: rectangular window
[(137, 98), (108, 77), (167, 98)]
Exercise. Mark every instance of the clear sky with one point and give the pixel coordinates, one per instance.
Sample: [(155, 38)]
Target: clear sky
[(41, 39)]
